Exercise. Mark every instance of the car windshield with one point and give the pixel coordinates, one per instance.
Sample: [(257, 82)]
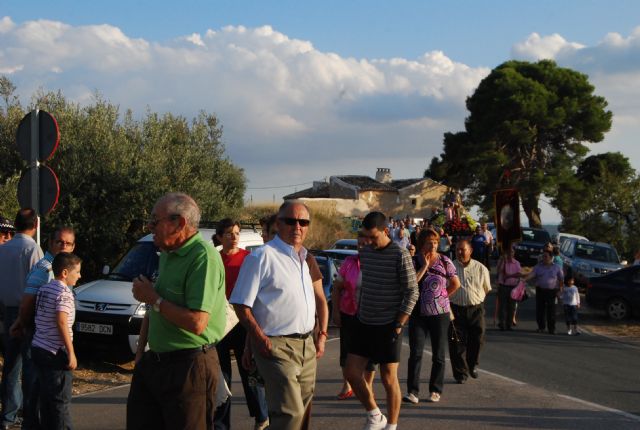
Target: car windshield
[(591, 251), (346, 245), (540, 236), (142, 259)]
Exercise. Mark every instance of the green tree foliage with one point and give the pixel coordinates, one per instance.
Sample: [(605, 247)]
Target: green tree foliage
[(112, 168), (527, 128), (602, 201)]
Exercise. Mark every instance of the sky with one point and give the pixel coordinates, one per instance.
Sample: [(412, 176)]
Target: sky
[(310, 89)]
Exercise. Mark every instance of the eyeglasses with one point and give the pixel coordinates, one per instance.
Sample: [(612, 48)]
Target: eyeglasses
[(153, 222), (63, 243), (293, 221)]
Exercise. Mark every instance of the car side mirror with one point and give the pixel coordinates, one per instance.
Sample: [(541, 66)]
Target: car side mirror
[(106, 269)]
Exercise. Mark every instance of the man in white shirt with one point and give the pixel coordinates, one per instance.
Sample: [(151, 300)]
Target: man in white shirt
[(277, 303), (467, 305), (490, 241)]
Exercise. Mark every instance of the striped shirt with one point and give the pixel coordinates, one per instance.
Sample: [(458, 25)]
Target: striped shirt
[(52, 298), (39, 275), (389, 284), (475, 283)]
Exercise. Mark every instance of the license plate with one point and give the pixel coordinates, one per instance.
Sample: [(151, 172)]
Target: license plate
[(94, 328)]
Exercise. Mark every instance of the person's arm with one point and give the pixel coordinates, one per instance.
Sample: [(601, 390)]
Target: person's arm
[(409, 285), (322, 313), (143, 337), (25, 315), (62, 325), (194, 321), (453, 285), (245, 315), (486, 279)]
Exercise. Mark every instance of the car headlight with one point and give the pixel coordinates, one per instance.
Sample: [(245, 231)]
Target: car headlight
[(141, 310)]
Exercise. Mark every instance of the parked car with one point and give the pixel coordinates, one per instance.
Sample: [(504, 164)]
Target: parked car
[(338, 255), (618, 293), (329, 273), (584, 259), (529, 249), (107, 312), (346, 244), (560, 238)]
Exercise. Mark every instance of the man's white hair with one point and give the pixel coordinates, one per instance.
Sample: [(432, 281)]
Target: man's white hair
[(183, 205)]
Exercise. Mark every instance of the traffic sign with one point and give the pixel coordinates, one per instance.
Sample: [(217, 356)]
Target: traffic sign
[(38, 136), (39, 189)]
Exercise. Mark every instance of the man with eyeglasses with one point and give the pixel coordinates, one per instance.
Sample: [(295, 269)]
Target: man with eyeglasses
[(17, 257), (61, 240), (277, 302), (174, 382)]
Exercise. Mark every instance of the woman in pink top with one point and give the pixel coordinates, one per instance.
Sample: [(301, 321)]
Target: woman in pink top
[(508, 277)]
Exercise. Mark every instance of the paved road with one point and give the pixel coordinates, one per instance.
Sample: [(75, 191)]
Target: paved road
[(527, 380)]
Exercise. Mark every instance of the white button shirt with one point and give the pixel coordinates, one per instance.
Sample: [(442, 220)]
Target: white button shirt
[(274, 282)]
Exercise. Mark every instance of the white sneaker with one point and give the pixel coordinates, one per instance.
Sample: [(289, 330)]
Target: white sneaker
[(570, 332), (410, 398), (379, 422), (434, 397)]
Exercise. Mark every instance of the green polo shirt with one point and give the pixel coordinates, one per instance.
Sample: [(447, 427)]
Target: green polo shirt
[(191, 276)]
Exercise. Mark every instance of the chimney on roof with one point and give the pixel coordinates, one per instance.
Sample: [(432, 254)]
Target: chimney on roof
[(383, 175)]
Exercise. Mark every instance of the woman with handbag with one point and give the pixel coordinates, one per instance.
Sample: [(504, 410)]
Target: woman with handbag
[(509, 274), (437, 280)]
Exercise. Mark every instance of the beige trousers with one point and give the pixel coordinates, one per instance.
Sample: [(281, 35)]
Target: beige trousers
[(289, 380)]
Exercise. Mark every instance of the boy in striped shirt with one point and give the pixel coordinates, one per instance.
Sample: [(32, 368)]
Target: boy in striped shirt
[(52, 347)]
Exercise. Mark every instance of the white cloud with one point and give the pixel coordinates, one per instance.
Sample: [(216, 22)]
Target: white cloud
[(292, 113)]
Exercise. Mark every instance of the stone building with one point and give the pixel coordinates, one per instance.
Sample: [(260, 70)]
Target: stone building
[(353, 195)]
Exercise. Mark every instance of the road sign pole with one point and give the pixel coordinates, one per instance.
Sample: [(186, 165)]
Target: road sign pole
[(34, 173)]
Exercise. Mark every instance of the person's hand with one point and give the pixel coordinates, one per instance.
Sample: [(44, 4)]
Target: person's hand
[(320, 344), (73, 362), (16, 329), (337, 320), (263, 344), (143, 290), (138, 357)]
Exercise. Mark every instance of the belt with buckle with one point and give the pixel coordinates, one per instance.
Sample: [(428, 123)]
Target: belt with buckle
[(178, 354), (297, 335)]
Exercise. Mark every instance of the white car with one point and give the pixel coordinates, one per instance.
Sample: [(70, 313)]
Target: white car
[(107, 312)]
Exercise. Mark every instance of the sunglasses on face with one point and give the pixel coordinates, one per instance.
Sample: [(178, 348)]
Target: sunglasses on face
[(293, 221)]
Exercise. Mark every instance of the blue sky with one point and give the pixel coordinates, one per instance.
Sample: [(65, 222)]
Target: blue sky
[(305, 89)]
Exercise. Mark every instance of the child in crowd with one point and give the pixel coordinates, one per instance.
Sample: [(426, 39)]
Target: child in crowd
[(52, 346), (571, 303)]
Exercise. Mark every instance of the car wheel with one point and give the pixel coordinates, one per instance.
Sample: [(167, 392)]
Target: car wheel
[(618, 309)]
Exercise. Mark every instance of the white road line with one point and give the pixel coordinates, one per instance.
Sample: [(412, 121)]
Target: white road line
[(564, 396)]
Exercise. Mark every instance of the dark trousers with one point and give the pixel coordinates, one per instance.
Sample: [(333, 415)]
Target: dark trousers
[(173, 391), (546, 308), (436, 327), (465, 344), (571, 314), (17, 360), (55, 388), (234, 341), (506, 306)]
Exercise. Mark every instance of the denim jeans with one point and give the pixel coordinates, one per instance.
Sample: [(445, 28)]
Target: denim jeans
[(55, 388), (419, 326), (17, 360)]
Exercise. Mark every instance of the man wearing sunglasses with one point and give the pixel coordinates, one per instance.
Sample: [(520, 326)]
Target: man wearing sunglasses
[(277, 302), (174, 382)]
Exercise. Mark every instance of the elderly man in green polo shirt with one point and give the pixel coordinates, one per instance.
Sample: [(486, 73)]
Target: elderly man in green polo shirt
[(174, 382)]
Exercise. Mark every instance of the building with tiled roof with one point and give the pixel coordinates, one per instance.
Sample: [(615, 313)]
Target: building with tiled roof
[(356, 195)]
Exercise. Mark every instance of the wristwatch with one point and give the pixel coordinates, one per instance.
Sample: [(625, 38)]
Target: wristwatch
[(156, 305)]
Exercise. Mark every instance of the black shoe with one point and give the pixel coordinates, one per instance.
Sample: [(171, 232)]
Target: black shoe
[(473, 373), (509, 328), (461, 380)]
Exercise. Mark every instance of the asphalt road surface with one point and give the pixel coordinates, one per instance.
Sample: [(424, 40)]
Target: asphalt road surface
[(527, 380)]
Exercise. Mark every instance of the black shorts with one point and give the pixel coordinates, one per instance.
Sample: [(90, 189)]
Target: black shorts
[(348, 332), (378, 343)]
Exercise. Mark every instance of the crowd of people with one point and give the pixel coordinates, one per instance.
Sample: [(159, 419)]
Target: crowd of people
[(406, 276)]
